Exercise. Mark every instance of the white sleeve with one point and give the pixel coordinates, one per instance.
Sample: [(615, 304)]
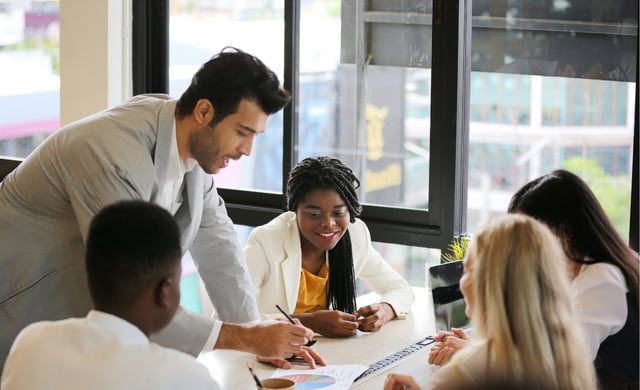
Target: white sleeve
[(373, 269), (598, 296)]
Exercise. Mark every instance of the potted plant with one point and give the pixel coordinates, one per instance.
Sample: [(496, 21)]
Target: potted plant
[(457, 249)]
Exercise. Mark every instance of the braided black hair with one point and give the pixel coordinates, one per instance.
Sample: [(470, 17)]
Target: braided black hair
[(323, 172)]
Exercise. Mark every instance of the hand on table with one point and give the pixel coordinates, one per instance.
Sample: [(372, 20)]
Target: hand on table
[(447, 343), (330, 323), (400, 382), (307, 354), (372, 317)]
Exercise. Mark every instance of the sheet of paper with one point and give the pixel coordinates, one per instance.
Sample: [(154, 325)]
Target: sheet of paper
[(331, 377)]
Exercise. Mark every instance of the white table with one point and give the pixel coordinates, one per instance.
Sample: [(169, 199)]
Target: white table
[(230, 370)]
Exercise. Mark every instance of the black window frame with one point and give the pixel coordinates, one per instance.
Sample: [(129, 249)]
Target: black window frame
[(451, 68)]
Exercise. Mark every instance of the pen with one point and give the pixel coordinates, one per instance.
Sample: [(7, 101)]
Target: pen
[(311, 342), (255, 377)]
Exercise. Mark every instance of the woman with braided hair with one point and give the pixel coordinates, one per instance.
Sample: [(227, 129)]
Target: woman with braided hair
[(308, 258)]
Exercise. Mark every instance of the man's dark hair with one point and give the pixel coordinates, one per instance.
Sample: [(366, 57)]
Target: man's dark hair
[(324, 172), (226, 79), (130, 245)]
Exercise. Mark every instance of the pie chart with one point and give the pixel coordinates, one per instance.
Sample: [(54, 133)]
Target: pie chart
[(311, 381)]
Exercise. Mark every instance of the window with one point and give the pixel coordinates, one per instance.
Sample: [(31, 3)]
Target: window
[(552, 86), (481, 98), (464, 94), (29, 74), (353, 99)]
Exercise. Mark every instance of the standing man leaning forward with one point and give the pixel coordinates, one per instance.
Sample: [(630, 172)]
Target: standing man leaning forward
[(156, 149)]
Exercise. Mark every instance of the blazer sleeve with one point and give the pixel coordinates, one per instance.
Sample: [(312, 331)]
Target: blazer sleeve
[(187, 332), (220, 262), (373, 269)]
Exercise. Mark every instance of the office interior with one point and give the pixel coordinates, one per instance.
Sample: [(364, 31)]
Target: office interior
[(443, 109)]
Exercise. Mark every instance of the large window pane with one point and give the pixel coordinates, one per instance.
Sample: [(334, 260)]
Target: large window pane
[(200, 29), (553, 86), (370, 110), (29, 74)]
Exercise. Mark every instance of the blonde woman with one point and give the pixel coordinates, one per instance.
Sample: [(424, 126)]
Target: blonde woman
[(517, 295)]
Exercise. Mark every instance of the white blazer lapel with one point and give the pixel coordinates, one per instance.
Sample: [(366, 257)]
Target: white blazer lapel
[(291, 264)]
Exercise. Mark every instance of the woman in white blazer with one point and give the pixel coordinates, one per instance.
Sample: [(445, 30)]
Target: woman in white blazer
[(307, 259)]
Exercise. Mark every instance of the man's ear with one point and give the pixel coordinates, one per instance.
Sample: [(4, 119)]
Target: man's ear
[(203, 112), (162, 292)]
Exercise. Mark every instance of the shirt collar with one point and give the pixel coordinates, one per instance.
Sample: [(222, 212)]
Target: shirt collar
[(174, 166), (126, 331), (178, 166)]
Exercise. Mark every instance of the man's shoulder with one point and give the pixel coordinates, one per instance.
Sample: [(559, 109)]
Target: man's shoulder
[(39, 334)]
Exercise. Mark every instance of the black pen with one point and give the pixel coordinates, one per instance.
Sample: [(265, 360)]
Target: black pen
[(255, 377), (285, 314), (311, 342)]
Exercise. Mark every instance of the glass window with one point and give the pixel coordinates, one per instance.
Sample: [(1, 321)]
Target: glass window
[(373, 113), (200, 29), (29, 74), (365, 93), (552, 86), (409, 261)]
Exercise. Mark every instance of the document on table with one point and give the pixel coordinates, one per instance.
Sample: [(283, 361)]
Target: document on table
[(331, 377)]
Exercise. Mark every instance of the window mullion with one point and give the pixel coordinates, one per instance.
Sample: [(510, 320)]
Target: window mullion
[(291, 83)]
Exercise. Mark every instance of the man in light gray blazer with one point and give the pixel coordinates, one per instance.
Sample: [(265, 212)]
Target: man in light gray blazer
[(156, 149)]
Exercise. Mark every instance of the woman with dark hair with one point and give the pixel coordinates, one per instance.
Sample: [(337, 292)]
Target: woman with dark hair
[(308, 258), (603, 268)]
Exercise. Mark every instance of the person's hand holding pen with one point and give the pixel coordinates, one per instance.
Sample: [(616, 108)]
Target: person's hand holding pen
[(288, 317), (307, 354), (270, 339)]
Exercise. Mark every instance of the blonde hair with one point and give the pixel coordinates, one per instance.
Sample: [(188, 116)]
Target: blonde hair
[(521, 307)]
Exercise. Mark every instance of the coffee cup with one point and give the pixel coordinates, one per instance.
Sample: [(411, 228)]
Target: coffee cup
[(277, 383)]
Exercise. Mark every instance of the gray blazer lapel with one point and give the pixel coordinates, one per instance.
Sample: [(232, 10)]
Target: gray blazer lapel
[(163, 141), (189, 214)]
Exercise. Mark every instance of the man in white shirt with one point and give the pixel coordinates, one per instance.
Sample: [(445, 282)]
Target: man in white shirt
[(133, 270)]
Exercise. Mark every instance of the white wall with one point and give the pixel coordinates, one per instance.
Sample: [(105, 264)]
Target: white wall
[(95, 56)]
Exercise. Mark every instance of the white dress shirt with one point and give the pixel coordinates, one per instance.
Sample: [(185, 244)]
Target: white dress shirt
[(169, 196), (101, 351), (598, 297)]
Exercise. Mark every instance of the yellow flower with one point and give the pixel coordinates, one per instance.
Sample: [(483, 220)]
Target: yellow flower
[(458, 249)]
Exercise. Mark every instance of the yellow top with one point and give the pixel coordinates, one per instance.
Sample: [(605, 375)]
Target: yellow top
[(312, 295)]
